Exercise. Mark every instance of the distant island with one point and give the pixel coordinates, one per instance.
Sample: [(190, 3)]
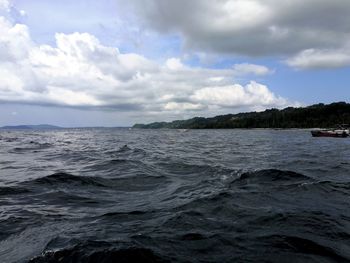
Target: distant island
[(318, 115), (31, 127)]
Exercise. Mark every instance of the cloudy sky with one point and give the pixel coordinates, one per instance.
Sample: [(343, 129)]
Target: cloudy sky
[(117, 62)]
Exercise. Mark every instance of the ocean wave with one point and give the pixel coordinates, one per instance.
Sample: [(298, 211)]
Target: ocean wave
[(136, 182), (134, 212), (130, 152), (66, 178), (203, 196), (9, 139), (304, 245), (328, 186), (99, 252), (34, 146), (271, 177), (12, 190)]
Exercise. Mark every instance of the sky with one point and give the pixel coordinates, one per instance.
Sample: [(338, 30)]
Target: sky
[(117, 62)]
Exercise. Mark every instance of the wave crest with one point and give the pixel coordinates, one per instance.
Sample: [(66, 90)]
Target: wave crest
[(99, 252), (270, 176)]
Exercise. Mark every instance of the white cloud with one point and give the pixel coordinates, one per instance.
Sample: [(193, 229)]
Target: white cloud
[(185, 106), (4, 5), (253, 27), (175, 64), (320, 58), (15, 41), (81, 72), (238, 95), (246, 68)]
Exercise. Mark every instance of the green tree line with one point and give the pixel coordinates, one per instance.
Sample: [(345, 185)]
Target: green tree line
[(318, 115)]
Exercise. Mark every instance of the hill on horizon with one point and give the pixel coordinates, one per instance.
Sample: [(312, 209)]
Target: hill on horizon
[(318, 115)]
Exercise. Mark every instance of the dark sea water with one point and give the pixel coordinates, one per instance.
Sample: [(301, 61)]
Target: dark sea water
[(119, 195)]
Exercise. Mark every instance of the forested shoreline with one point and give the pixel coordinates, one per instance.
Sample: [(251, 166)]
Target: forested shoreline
[(318, 115)]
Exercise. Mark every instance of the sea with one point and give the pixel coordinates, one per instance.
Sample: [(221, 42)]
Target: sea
[(133, 195)]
